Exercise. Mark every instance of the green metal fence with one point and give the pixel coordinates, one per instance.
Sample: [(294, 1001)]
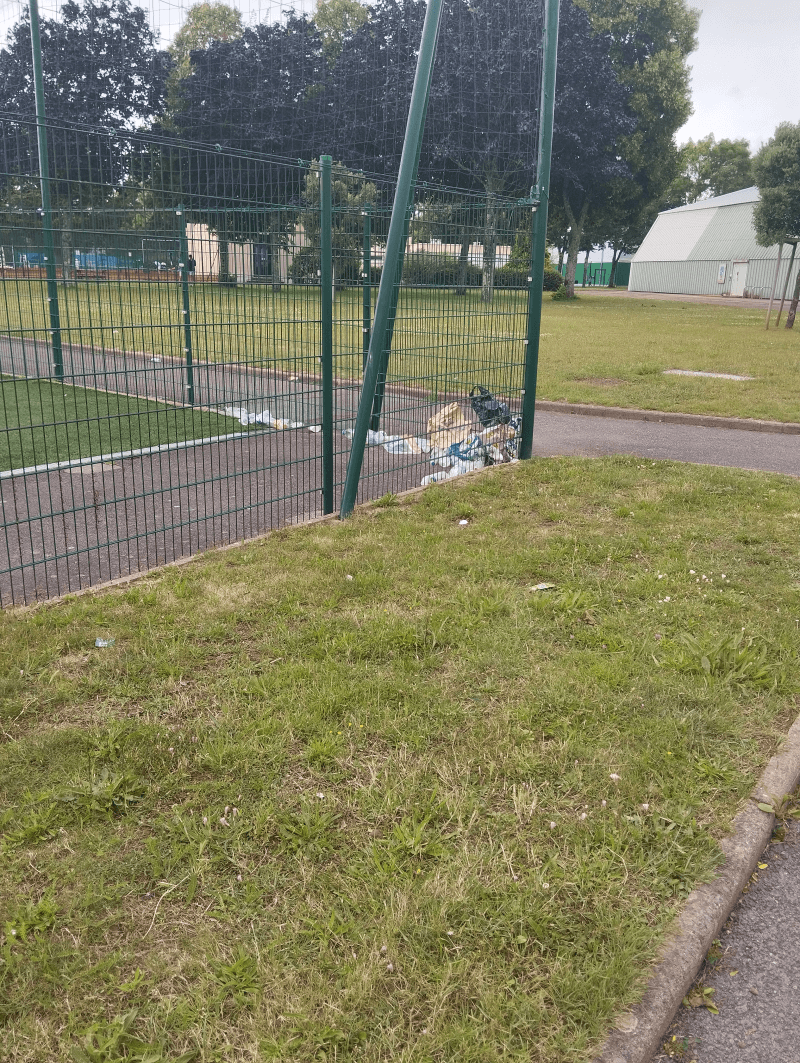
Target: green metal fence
[(181, 367)]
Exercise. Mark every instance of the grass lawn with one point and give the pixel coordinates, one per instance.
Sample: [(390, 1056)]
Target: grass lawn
[(43, 421), (360, 791), (609, 350)]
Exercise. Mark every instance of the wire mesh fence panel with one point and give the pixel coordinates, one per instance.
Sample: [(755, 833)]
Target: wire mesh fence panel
[(166, 315)]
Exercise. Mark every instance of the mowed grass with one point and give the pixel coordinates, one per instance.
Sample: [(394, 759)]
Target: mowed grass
[(361, 791), (43, 421), (606, 350)]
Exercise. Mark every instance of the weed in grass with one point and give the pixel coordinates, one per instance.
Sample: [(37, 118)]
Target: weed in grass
[(733, 659), (237, 981), (29, 826), (387, 501), (308, 830), (29, 918), (114, 1042), (103, 795)]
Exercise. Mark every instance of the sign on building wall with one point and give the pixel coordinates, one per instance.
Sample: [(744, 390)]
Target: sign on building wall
[(721, 273)]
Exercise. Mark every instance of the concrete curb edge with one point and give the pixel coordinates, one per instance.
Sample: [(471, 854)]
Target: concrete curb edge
[(637, 1035), (699, 420)]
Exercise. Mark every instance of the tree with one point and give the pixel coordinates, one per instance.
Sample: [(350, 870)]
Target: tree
[(257, 93), (592, 115), (777, 215), (101, 69), (350, 194), (337, 20), (205, 22), (710, 168), (650, 43)]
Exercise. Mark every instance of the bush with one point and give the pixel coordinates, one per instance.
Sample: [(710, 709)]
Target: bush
[(560, 293), (511, 276), (304, 266), (440, 271), (552, 280)]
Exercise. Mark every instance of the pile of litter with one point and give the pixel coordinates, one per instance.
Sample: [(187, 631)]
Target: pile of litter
[(455, 443), (458, 447), (262, 417)]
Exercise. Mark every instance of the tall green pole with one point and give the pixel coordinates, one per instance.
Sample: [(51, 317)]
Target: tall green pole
[(187, 318), (541, 194), (380, 387), (326, 313), (395, 244), (44, 178), (366, 283)]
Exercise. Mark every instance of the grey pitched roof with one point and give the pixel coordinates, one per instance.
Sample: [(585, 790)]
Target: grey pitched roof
[(744, 195)]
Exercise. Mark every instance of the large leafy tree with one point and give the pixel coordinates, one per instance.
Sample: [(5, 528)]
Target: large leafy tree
[(710, 167), (483, 114), (650, 41), (205, 22), (101, 70), (777, 216), (256, 93), (593, 114)]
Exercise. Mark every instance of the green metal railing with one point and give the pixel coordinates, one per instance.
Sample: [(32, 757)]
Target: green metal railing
[(198, 345)]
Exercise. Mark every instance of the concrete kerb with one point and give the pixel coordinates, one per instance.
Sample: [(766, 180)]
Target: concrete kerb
[(699, 420), (638, 1033)]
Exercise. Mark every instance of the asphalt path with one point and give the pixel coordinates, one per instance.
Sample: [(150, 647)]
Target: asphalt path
[(755, 974), (593, 437)]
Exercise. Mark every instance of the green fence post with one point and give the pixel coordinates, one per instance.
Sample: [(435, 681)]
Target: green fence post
[(44, 178), (380, 386), (539, 226), (326, 311), (366, 286), (187, 317), (395, 245)]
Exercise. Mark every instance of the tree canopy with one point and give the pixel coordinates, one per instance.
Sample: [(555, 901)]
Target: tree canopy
[(710, 167), (777, 174)]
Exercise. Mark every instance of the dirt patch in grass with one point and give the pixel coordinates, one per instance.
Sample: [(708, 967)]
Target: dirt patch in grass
[(429, 812)]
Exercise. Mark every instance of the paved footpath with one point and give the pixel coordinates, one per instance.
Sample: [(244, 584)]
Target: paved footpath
[(565, 433), (756, 977)]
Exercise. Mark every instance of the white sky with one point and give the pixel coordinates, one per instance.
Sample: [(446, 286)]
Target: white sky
[(745, 70)]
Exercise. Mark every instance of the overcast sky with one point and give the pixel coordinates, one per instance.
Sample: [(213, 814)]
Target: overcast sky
[(745, 70)]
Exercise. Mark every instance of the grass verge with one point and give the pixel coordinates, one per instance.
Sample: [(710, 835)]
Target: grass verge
[(360, 791), (43, 421), (611, 351)]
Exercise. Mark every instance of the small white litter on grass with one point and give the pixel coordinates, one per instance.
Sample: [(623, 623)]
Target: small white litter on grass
[(699, 372)]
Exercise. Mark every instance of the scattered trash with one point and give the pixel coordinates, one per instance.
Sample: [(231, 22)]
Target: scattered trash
[(447, 427), (103, 644), (543, 587), (463, 523), (263, 417), (348, 576), (489, 410), (393, 444), (315, 428), (156, 359)]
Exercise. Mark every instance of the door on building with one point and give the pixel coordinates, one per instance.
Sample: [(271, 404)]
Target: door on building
[(738, 278)]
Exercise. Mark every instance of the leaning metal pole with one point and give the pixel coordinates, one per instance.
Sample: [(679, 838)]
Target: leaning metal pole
[(786, 284), (774, 283), (541, 193), (44, 178), (394, 252)]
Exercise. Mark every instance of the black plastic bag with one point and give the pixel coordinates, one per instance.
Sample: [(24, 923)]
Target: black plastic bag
[(489, 410)]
